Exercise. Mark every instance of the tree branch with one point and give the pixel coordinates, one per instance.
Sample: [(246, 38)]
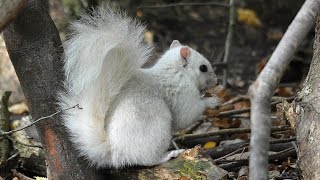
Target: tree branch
[(262, 89), (228, 41)]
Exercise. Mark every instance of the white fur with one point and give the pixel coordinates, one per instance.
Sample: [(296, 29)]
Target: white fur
[(128, 113)]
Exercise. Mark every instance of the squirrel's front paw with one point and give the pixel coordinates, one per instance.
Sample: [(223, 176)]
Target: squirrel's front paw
[(212, 102)]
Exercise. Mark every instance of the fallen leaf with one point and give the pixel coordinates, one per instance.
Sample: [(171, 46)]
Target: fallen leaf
[(139, 13), (261, 65), (19, 108), (211, 112), (248, 17), (275, 34), (242, 105), (184, 178), (226, 107), (222, 123), (244, 171), (41, 178), (209, 145), (236, 123), (285, 91), (148, 37)]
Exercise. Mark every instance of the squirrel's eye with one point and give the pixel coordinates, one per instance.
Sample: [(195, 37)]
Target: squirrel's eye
[(203, 68)]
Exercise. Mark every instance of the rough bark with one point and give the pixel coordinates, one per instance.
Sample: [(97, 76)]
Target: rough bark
[(9, 9), (308, 117), (35, 50), (6, 148), (262, 89), (5, 144)]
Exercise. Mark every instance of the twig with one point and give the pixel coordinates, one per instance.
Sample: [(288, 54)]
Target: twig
[(226, 132), (241, 116), (233, 112), (286, 151), (13, 155), (183, 4), (20, 175), (271, 157), (275, 145), (228, 41), (175, 145), (241, 149), (40, 119), (294, 144), (194, 126), (282, 140), (235, 99), (229, 165), (293, 84), (262, 89), (281, 99)]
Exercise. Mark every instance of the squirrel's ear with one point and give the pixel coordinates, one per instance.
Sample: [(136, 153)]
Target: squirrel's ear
[(175, 43), (185, 54)]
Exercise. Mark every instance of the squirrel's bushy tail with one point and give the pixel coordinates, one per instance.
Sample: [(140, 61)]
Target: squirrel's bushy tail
[(106, 40), (103, 52)]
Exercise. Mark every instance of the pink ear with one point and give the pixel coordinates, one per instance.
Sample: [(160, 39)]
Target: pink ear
[(175, 43), (185, 53)]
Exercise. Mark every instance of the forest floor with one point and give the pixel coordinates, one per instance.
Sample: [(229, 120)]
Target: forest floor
[(223, 133)]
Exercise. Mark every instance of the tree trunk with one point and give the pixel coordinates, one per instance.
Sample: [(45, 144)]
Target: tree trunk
[(34, 48), (308, 117), (262, 89)]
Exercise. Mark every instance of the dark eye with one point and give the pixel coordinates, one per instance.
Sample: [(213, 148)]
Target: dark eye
[(203, 68)]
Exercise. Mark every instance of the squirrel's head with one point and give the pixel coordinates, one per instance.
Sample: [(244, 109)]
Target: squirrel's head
[(196, 66)]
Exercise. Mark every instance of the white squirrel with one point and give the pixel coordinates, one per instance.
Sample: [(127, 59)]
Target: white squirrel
[(129, 113)]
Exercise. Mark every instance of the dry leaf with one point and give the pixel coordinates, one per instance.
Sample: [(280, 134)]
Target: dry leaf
[(223, 94), (139, 13), (148, 37), (244, 171), (236, 123), (240, 136), (222, 123), (243, 178), (226, 108), (261, 65), (248, 17), (196, 16), (41, 178), (184, 178), (242, 105), (19, 108), (285, 111), (275, 34), (211, 112), (210, 145), (285, 91)]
